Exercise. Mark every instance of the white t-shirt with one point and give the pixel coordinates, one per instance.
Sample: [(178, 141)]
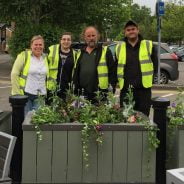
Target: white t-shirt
[(36, 79)]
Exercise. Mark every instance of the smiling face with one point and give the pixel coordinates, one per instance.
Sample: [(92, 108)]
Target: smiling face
[(37, 47), (131, 32), (91, 37), (66, 42)]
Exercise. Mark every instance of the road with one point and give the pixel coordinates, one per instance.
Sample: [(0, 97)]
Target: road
[(5, 85)]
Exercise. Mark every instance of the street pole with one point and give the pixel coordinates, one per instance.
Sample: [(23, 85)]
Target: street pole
[(159, 13), (159, 38), (159, 44)]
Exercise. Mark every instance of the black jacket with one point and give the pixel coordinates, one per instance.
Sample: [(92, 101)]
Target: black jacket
[(132, 70), (110, 64)]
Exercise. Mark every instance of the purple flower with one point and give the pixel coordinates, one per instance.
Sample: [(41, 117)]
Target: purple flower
[(99, 127), (173, 105)]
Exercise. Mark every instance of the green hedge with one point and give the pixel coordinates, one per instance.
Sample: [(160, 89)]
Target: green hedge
[(22, 36)]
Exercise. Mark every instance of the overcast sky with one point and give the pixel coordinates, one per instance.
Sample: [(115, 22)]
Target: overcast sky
[(148, 3)]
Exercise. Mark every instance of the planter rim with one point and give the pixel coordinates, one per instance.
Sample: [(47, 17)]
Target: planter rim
[(28, 126)]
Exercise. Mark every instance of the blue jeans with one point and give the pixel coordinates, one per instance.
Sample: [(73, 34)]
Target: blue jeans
[(32, 103)]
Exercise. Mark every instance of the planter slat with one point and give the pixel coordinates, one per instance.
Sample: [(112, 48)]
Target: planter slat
[(181, 148), (29, 157), (119, 156), (44, 157), (134, 154), (148, 169), (59, 157), (105, 159), (90, 173), (74, 173)]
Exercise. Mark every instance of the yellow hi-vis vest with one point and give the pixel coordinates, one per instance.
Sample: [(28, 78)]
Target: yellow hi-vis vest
[(146, 63), (53, 58), (102, 69), (26, 56)]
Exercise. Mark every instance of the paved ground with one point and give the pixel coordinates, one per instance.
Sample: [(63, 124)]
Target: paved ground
[(5, 86)]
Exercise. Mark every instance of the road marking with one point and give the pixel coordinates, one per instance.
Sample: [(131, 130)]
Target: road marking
[(5, 87), (5, 82), (167, 95)]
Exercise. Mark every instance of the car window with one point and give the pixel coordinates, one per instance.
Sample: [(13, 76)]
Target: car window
[(162, 50), (112, 48)]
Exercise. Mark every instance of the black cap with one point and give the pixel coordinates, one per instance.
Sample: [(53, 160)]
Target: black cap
[(130, 23)]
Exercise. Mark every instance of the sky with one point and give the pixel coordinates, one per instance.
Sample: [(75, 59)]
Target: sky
[(148, 3)]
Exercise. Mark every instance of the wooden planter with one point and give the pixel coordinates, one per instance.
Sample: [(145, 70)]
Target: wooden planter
[(176, 149), (122, 158)]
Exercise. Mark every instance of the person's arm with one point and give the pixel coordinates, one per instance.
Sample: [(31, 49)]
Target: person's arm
[(15, 73), (112, 69), (154, 58)]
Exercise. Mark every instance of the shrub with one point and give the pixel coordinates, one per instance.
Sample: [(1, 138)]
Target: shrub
[(23, 34)]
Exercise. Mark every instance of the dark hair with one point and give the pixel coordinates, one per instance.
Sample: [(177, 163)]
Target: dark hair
[(130, 23), (66, 33)]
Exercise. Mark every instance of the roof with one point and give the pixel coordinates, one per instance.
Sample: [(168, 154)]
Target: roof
[(2, 25)]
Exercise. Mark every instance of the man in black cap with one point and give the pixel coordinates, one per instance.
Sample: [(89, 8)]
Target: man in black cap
[(136, 63)]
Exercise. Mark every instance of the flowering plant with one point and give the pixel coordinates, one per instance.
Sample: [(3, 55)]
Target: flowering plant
[(176, 110), (92, 116), (175, 114)]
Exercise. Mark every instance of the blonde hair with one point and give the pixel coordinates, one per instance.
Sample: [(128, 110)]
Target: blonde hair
[(37, 37), (85, 29)]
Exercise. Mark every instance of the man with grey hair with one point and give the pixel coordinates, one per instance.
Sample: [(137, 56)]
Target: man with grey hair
[(94, 69)]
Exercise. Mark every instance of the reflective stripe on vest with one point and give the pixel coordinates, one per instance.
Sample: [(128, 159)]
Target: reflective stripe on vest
[(144, 59), (53, 58), (102, 69), (26, 56)]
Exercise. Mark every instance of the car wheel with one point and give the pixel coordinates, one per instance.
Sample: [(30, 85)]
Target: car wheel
[(164, 78)]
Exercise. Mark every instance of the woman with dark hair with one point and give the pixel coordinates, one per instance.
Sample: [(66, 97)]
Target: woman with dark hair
[(61, 62)]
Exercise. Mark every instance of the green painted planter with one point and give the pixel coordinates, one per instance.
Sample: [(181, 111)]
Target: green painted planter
[(5, 122), (122, 158), (176, 149)]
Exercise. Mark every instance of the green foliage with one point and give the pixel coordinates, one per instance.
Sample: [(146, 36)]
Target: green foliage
[(22, 36), (173, 20), (176, 111)]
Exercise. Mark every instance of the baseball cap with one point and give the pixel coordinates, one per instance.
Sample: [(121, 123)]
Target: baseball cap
[(130, 23)]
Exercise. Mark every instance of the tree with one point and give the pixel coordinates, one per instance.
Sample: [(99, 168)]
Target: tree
[(173, 20)]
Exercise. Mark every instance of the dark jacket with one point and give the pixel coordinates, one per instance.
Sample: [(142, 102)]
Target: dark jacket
[(110, 64), (132, 71)]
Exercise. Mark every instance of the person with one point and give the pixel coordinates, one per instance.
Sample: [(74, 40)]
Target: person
[(136, 63), (61, 62), (94, 69), (29, 73)]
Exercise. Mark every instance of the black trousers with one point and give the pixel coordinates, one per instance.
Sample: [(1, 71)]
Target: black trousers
[(142, 98)]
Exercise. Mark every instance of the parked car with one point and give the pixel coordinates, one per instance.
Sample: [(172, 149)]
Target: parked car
[(180, 53), (168, 63)]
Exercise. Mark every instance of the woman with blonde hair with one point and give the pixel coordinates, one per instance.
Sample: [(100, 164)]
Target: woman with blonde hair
[(29, 73)]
